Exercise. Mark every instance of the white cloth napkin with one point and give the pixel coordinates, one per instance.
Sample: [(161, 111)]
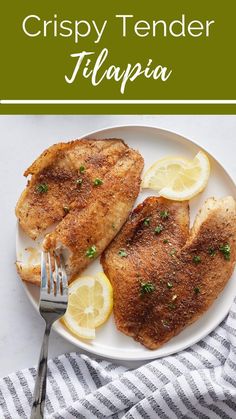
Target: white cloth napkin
[(199, 382)]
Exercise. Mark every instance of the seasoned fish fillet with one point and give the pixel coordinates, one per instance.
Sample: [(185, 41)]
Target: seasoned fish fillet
[(181, 287), (139, 254), (84, 233), (61, 178), (88, 213)]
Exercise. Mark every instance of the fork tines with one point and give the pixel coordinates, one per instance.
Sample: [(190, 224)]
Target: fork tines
[(53, 274)]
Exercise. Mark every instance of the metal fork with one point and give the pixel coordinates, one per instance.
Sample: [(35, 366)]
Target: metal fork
[(52, 306)]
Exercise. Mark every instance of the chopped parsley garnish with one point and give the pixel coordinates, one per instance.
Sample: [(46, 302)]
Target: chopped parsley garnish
[(171, 306), (226, 250), (146, 222), (164, 214), (42, 188), (197, 290), (97, 182), (158, 229), (165, 241), (66, 209), (91, 252), (79, 182), (172, 252), (147, 287), (82, 169), (211, 251), (122, 253), (165, 323), (169, 285), (196, 259)]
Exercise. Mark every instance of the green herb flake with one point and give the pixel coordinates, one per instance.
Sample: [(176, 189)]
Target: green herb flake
[(82, 169), (197, 290), (97, 182), (91, 252), (211, 251), (165, 241), (42, 188), (226, 250), (169, 285), (122, 253), (196, 259), (164, 214), (165, 323), (146, 222), (147, 288), (66, 209), (172, 252), (158, 229), (172, 306), (79, 182)]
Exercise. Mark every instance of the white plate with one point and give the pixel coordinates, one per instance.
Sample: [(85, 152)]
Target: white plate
[(153, 144)]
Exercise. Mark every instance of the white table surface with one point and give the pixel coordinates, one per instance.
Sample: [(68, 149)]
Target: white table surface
[(22, 138)]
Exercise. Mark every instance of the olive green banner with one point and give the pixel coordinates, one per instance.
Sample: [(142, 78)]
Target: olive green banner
[(118, 57)]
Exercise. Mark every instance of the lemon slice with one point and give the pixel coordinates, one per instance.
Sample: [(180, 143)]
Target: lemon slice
[(90, 304), (178, 178), (103, 299)]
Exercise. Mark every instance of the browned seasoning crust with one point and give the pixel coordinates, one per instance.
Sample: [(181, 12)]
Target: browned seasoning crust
[(186, 282), (98, 222), (95, 212), (148, 257), (59, 167)]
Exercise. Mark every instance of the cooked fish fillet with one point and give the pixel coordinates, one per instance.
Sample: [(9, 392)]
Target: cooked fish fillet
[(95, 209), (185, 285), (146, 258), (60, 168), (84, 233)]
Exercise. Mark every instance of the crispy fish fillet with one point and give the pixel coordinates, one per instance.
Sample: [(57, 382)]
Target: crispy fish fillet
[(68, 171), (95, 210), (185, 285), (84, 233), (146, 254)]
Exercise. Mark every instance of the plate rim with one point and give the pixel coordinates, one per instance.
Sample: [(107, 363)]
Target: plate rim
[(149, 354)]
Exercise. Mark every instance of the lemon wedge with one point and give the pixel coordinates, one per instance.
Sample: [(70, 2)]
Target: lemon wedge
[(90, 304), (178, 178)]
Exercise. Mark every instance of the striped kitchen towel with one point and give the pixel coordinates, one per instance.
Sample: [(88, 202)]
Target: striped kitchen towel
[(199, 382)]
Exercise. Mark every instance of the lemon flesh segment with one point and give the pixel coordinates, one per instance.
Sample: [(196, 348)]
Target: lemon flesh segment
[(90, 304), (178, 178), (79, 317), (161, 173)]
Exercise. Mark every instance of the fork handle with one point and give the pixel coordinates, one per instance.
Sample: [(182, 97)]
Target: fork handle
[(41, 380)]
